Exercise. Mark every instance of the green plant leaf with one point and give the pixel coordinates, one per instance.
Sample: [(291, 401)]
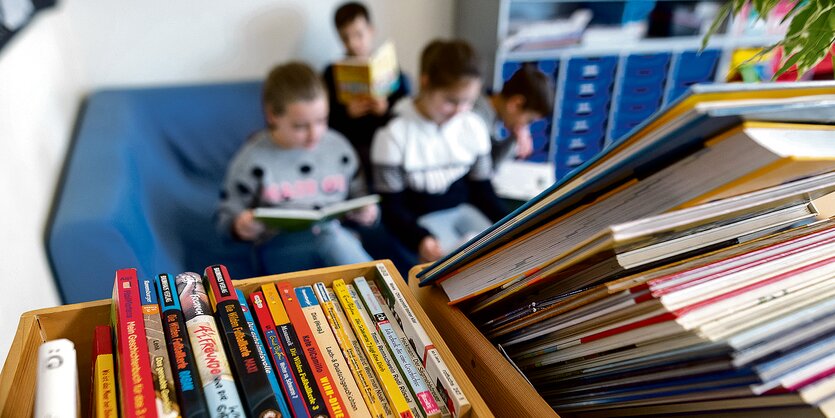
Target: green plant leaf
[(797, 6), (721, 15)]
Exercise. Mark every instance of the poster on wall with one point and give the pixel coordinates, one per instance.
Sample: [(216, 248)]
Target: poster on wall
[(15, 14)]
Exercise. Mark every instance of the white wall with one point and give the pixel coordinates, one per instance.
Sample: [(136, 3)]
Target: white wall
[(82, 45)]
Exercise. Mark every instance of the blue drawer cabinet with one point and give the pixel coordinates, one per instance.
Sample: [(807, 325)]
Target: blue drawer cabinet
[(603, 98), (692, 68), (592, 68)]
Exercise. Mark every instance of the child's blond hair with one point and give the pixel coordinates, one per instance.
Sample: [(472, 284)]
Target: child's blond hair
[(289, 83)]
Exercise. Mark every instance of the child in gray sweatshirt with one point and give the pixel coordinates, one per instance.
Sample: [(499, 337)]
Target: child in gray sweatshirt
[(296, 163)]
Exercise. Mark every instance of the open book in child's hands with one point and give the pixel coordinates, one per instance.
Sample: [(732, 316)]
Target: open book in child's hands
[(298, 219), (377, 76)]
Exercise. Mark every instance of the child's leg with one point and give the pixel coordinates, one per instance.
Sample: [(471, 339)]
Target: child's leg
[(288, 252), (336, 246)]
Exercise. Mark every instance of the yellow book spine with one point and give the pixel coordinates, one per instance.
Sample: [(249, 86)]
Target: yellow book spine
[(274, 303), (369, 395), (104, 387), (331, 352), (357, 348), (396, 399)]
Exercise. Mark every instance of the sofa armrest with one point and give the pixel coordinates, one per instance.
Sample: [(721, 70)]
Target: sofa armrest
[(92, 211)]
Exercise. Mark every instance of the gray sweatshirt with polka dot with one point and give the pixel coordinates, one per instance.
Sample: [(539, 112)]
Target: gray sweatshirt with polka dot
[(262, 174)]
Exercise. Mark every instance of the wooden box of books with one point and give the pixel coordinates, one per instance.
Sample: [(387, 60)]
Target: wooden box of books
[(79, 321), (504, 389)]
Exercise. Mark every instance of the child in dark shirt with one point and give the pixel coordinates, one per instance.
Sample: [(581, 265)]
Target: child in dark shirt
[(296, 163), (359, 119)]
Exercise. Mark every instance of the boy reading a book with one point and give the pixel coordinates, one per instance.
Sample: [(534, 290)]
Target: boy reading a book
[(527, 96), (360, 118), (432, 162), (296, 163)]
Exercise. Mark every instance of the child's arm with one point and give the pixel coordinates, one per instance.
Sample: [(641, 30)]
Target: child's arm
[(481, 193), (390, 183), (239, 194)]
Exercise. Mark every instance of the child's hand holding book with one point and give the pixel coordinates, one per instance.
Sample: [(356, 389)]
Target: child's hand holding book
[(366, 215), (247, 228)]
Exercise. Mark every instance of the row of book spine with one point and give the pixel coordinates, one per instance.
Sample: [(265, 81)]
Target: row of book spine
[(194, 346)]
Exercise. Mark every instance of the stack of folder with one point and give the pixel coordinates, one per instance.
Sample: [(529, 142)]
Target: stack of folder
[(685, 269)]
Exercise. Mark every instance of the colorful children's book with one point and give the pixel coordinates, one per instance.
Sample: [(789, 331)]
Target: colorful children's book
[(167, 406), (215, 374), (321, 374), (335, 361), (442, 377), (254, 387), (136, 387), (355, 363), (412, 354), (263, 355), (377, 76), (184, 365), (392, 389), (429, 408), (283, 368), (288, 219), (316, 404), (103, 402)]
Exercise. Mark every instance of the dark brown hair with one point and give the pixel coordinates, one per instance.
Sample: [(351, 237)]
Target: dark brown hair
[(289, 83), (446, 63), (349, 12), (534, 86)]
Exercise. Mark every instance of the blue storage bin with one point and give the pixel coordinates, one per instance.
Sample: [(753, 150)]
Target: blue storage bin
[(592, 68), (657, 60), (584, 125), (632, 113), (510, 67), (626, 107), (580, 90), (549, 67), (568, 162), (585, 107), (540, 126), (694, 67), (643, 85), (641, 72), (653, 97), (579, 142), (623, 127)]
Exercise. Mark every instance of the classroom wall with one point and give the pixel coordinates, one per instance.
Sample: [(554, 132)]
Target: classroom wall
[(83, 45)]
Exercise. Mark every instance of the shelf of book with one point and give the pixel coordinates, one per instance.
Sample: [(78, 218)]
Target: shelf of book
[(505, 390), (77, 322)]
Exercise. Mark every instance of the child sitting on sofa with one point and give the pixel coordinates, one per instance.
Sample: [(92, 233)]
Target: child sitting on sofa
[(296, 163), (432, 162), (359, 119)]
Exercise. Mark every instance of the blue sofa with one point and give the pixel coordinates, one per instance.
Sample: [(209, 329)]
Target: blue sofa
[(141, 182)]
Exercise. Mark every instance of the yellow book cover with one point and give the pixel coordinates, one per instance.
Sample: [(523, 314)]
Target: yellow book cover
[(355, 364), (391, 388), (375, 77), (104, 377)]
